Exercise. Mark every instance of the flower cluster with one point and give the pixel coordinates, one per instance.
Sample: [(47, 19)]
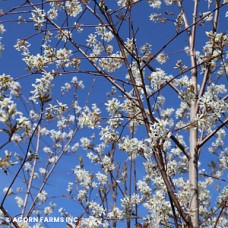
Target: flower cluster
[(7, 83), (124, 3), (6, 162), (38, 16), (84, 177), (158, 79), (112, 63), (42, 88), (155, 3), (73, 7), (2, 30), (158, 208), (159, 133), (128, 204), (133, 147), (162, 58), (89, 118)]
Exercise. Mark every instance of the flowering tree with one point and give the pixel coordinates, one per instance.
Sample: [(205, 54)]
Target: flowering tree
[(117, 115)]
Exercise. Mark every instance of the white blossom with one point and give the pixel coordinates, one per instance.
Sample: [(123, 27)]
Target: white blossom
[(162, 58), (83, 176), (73, 7), (38, 16), (10, 191), (102, 178), (115, 213), (158, 79), (2, 28), (19, 201), (96, 209), (91, 222), (144, 188), (107, 164), (155, 3), (42, 196), (70, 187), (28, 167), (81, 195), (42, 171)]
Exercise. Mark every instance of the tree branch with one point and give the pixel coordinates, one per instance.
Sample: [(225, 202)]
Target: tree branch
[(200, 144)]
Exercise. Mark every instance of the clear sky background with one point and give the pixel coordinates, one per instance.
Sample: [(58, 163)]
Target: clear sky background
[(11, 63)]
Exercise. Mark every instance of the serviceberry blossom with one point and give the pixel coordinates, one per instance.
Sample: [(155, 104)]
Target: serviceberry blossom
[(42, 171), (81, 196), (144, 188), (38, 16), (22, 45), (63, 56), (73, 7), (91, 41), (53, 159), (129, 45), (107, 164), (115, 213), (211, 103), (1, 46), (49, 209), (108, 134), (42, 196), (89, 118), (128, 203), (83, 177), (9, 192), (112, 63), (7, 83), (70, 187), (156, 17), (96, 51), (157, 206), (42, 88), (19, 201), (223, 159), (102, 178), (96, 209), (52, 13), (146, 50), (28, 167), (159, 133), (169, 2), (219, 142), (91, 222), (207, 16), (113, 106), (155, 3), (162, 58), (85, 143), (133, 147), (78, 84), (124, 3), (158, 79), (75, 147), (104, 33), (2, 28)]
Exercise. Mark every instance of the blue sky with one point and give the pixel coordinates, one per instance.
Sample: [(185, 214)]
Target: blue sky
[(10, 63)]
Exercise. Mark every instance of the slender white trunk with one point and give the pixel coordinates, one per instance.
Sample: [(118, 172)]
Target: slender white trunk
[(193, 162), (193, 174), (193, 140)]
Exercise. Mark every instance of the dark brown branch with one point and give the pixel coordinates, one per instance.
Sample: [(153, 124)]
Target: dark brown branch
[(200, 144)]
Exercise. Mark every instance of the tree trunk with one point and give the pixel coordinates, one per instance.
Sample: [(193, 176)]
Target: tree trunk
[(193, 177)]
